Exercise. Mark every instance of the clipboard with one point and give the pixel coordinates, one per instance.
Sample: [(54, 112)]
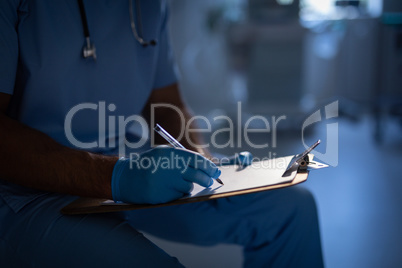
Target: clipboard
[(84, 205), (229, 176)]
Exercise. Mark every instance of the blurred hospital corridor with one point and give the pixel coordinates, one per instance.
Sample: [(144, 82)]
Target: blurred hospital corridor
[(278, 60)]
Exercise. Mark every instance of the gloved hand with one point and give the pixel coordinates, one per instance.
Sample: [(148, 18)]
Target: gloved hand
[(160, 175)]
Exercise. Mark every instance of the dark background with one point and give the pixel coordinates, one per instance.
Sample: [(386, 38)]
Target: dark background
[(293, 60)]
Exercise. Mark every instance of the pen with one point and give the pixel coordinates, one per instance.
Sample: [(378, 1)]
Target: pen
[(172, 141)]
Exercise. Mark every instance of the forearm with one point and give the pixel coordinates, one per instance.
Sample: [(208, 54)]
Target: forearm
[(183, 130), (176, 123), (32, 159)]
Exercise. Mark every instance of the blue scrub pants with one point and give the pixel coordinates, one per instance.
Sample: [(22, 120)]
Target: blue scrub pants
[(277, 228)]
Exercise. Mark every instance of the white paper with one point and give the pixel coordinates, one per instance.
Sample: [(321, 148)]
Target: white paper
[(258, 174), (235, 178)]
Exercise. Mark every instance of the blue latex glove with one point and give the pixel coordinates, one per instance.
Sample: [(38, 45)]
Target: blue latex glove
[(160, 175)]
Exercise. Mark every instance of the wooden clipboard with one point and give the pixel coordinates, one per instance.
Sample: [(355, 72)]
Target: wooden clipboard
[(93, 205)]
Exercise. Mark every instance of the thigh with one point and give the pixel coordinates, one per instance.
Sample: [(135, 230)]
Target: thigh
[(39, 236), (243, 219)]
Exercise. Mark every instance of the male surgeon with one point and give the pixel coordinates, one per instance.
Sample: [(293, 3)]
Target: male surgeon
[(61, 56)]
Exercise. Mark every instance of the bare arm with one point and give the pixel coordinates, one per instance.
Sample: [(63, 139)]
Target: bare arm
[(32, 159), (170, 119)]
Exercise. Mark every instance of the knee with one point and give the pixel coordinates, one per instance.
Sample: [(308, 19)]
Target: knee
[(302, 203), (303, 197)]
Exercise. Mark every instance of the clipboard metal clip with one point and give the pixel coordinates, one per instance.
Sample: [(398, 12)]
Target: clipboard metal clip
[(301, 162)]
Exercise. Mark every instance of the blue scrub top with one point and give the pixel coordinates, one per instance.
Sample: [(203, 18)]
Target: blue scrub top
[(42, 66)]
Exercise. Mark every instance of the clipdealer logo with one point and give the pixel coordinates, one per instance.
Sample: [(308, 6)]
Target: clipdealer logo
[(113, 128)]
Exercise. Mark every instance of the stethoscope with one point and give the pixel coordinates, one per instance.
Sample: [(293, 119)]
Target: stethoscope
[(89, 49)]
